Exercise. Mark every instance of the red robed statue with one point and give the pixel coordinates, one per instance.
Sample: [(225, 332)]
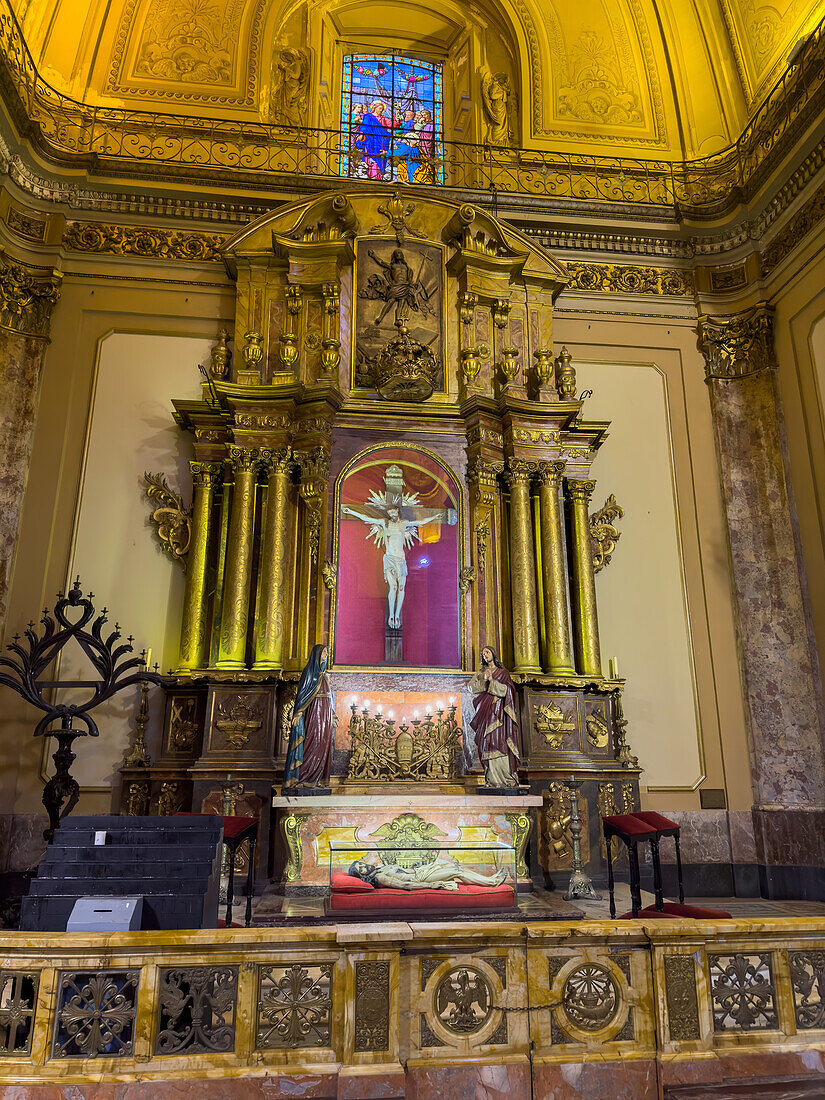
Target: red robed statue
[(309, 753), (495, 722)]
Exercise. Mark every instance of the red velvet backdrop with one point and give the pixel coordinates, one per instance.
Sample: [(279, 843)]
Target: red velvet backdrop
[(430, 611)]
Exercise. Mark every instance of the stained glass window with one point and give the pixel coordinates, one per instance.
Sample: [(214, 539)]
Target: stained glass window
[(391, 128)]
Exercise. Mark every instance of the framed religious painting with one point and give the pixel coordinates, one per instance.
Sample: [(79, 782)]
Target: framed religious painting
[(391, 120), (398, 288), (398, 544)]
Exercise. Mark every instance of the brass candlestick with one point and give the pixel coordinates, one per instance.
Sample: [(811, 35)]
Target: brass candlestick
[(138, 755), (580, 885)]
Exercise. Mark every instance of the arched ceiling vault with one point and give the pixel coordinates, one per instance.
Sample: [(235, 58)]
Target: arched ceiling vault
[(670, 79)]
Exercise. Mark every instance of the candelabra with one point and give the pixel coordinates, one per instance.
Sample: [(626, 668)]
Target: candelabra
[(580, 885), (419, 750)]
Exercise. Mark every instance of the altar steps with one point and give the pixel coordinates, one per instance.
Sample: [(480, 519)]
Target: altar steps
[(173, 863)]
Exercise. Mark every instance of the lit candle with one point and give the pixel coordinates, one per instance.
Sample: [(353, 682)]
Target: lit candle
[(438, 706), (366, 704), (452, 700), (415, 714), (380, 707), (390, 714), (404, 720), (353, 701)]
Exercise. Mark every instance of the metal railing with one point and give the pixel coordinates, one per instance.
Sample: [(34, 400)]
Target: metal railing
[(68, 129)]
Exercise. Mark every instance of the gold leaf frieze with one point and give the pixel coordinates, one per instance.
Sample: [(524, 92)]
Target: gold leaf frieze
[(553, 724), (238, 720), (628, 279), (152, 242)]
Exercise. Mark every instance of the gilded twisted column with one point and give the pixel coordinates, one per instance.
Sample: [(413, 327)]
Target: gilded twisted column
[(238, 574), (205, 477), (271, 639), (585, 617), (27, 298), (522, 569), (314, 466), (559, 655)]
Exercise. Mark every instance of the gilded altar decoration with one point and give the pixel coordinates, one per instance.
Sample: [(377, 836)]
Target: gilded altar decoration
[(463, 1000), (389, 599), (683, 1023), (399, 316), (598, 731), (408, 840), (553, 725), (169, 799), (565, 376), (415, 750), (294, 1007), (604, 532), (171, 518), (237, 720), (495, 721), (330, 575), (590, 997), (135, 799), (220, 356), (183, 725), (396, 210)]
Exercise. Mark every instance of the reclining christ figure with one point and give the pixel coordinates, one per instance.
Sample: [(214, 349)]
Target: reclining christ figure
[(444, 873)]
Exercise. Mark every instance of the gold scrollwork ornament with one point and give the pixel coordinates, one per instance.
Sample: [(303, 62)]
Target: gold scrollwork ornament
[(172, 520), (604, 533)]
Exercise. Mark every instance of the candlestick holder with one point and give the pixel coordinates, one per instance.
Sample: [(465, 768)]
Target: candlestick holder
[(580, 885)]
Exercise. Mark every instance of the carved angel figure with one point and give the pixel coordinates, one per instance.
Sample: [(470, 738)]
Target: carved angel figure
[(496, 95), (172, 520), (290, 87)]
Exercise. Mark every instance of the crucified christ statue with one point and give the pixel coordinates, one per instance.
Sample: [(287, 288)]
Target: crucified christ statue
[(396, 533)]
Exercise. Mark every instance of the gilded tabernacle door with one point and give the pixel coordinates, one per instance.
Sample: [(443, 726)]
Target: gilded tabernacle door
[(398, 537)]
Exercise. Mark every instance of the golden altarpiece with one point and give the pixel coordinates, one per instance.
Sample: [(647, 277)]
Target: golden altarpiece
[(391, 350)]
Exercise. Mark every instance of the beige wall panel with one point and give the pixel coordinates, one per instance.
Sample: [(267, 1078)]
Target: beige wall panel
[(91, 307), (642, 599), (131, 431), (661, 443)]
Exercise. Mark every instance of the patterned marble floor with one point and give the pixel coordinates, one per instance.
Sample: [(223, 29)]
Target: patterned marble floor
[(273, 908)]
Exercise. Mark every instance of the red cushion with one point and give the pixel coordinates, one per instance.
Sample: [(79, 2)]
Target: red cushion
[(343, 883), (469, 897), (673, 910), (657, 821), (629, 824)]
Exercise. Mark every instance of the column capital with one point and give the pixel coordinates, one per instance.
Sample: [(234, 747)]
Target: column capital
[(484, 472), (243, 458), (276, 460), (580, 490), (739, 345), (551, 473), (314, 464), (206, 473), (519, 470), (27, 297)]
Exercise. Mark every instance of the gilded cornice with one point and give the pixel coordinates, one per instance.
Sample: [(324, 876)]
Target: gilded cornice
[(27, 298), (739, 345), (794, 231), (148, 241), (628, 279)]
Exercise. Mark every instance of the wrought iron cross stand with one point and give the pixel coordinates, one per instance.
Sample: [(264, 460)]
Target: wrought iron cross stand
[(114, 672)]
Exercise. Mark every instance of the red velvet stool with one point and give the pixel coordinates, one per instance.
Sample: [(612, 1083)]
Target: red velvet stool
[(664, 827), (630, 830), (236, 831)]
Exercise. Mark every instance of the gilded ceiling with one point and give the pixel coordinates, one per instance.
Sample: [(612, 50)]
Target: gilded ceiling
[(675, 80)]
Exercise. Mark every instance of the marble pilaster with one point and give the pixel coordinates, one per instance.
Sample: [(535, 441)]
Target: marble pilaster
[(778, 656), (27, 298)]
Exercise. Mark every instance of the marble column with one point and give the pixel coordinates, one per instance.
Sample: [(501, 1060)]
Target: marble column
[(559, 655), (583, 595), (272, 619), (27, 298), (522, 569), (238, 574), (782, 691), (193, 648)]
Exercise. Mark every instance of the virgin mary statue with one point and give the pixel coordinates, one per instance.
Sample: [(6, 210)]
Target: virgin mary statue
[(495, 722), (309, 753)]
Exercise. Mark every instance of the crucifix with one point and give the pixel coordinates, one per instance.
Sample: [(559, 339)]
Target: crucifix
[(395, 518)]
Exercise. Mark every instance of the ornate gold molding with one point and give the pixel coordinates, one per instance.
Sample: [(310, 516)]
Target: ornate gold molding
[(27, 297), (739, 345), (148, 241), (630, 279), (171, 518), (604, 533), (795, 231)]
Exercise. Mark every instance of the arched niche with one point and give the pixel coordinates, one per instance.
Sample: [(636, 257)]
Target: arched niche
[(468, 43), (398, 545)]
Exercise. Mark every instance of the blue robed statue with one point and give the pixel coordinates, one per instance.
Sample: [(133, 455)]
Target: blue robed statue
[(311, 735)]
